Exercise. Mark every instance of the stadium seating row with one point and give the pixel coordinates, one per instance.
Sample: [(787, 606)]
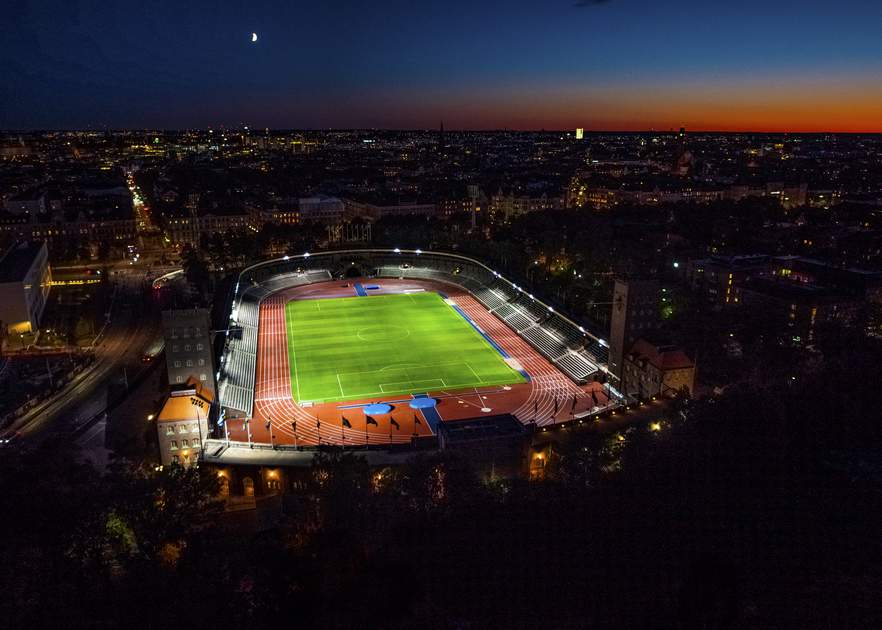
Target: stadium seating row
[(564, 344), (237, 373)]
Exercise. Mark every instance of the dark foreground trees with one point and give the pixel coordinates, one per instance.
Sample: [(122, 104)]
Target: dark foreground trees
[(758, 510)]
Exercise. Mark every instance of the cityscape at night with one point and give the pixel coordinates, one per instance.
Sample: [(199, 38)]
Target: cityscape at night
[(441, 315)]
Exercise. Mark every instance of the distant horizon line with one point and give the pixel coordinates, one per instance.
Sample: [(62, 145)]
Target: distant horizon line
[(425, 130)]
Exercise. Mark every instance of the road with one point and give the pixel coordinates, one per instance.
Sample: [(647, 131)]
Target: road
[(130, 330)]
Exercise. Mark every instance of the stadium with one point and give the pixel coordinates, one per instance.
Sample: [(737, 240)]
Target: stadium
[(382, 349)]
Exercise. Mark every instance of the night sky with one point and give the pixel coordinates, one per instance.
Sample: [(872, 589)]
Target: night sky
[(797, 65)]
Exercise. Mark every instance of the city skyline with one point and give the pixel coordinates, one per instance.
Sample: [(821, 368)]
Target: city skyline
[(624, 65)]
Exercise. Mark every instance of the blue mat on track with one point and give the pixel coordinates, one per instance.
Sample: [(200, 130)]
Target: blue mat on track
[(359, 290), (429, 413)]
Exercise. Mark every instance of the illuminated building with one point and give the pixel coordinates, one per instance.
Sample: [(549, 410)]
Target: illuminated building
[(182, 425), (652, 369), (25, 279), (188, 353)]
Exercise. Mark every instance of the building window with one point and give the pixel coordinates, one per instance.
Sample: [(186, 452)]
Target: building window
[(174, 445), (203, 377), (177, 364), (179, 379), (199, 346), (185, 443), (189, 363), (201, 362), (169, 430)]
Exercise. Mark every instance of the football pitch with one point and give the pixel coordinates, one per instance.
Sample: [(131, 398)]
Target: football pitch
[(364, 347)]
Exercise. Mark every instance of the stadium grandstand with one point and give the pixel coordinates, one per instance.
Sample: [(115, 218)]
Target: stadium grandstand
[(559, 365)]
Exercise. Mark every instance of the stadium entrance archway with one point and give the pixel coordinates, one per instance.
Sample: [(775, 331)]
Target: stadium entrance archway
[(354, 268)]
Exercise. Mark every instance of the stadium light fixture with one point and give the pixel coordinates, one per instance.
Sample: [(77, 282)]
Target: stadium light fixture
[(285, 257), (581, 329), (396, 250), (676, 265), (550, 310), (306, 254), (418, 252)]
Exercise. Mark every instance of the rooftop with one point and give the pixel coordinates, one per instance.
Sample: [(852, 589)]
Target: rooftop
[(190, 403), (662, 357)]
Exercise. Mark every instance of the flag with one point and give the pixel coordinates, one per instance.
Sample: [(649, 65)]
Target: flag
[(346, 422), (220, 418), (268, 424), (594, 398), (370, 420), (535, 406), (416, 420), (573, 408), (318, 424), (294, 425), (394, 423), (555, 404)]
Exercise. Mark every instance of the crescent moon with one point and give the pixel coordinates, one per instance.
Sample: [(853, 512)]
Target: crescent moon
[(253, 37)]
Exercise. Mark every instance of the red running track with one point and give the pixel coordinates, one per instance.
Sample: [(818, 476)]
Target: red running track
[(273, 402)]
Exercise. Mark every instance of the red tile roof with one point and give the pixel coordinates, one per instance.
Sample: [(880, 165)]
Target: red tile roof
[(662, 357)]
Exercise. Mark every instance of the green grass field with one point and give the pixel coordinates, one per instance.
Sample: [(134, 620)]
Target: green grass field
[(365, 347)]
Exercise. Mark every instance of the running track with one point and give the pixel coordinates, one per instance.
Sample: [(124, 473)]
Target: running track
[(273, 401)]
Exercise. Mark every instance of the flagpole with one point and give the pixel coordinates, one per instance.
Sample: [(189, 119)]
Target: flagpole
[(294, 426)]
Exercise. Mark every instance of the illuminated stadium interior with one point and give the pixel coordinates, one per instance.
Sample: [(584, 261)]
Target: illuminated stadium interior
[(376, 348)]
